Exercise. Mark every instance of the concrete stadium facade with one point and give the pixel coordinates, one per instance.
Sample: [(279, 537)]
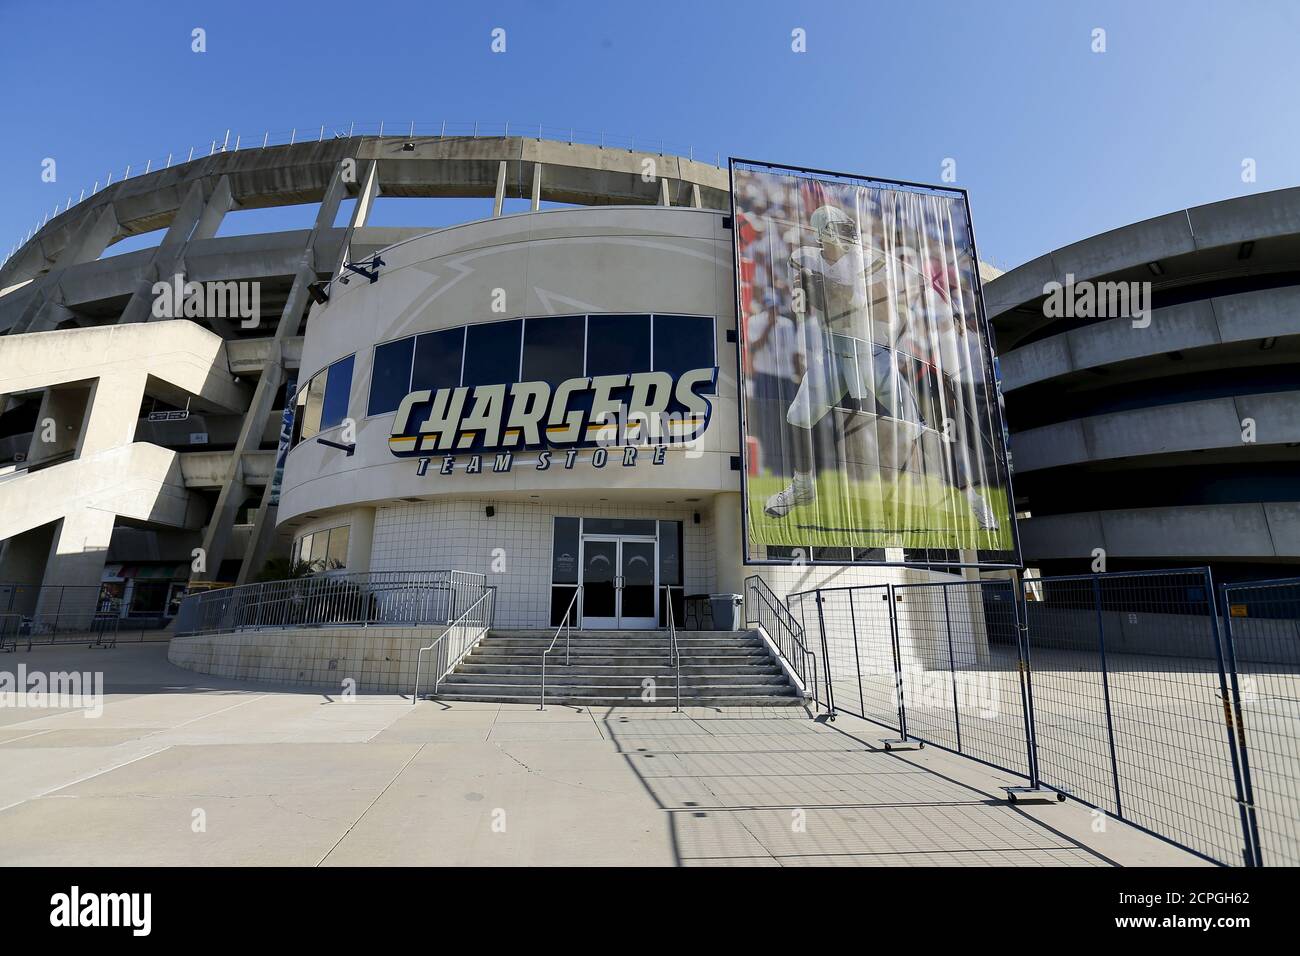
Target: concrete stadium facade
[(1170, 438), (116, 492)]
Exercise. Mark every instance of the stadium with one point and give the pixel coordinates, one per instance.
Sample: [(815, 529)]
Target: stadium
[(225, 400), (636, 435), (1169, 441)]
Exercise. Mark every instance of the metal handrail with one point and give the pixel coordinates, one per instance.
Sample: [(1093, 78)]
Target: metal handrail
[(674, 650), (376, 598), (785, 621), (565, 627), (489, 593)]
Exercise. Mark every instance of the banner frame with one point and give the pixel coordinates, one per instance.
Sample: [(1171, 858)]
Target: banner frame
[(992, 384)]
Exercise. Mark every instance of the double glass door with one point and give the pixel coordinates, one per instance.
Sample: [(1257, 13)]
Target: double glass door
[(620, 577)]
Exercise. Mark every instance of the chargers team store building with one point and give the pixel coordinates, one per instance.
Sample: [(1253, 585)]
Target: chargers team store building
[(585, 313)]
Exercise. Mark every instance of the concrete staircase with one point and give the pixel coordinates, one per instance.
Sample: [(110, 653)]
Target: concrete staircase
[(608, 668)]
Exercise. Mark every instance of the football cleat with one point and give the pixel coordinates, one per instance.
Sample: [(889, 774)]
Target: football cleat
[(983, 513), (796, 493)]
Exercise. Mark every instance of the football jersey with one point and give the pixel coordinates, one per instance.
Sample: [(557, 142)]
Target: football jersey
[(848, 294)]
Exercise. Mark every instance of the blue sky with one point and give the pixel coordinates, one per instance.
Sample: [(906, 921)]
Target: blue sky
[(1054, 142)]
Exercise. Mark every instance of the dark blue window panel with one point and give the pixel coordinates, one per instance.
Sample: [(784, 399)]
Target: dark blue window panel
[(437, 359), (617, 344), (390, 378), (338, 386), (682, 343), (492, 352), (553, 348)]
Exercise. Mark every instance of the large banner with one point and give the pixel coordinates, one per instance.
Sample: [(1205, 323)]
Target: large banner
[(869, 405)]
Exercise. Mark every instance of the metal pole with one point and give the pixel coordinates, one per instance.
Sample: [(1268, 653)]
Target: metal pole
[(952, 664), (1105, 691), (1026, 677), (821, 624), (898, 662), (857, 657), (1236, 729)]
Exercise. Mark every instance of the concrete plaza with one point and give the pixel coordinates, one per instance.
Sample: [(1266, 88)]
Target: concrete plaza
[(183, 769)]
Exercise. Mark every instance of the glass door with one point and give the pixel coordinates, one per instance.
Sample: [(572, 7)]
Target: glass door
[(620, 577), (599, 566), (637, 593)]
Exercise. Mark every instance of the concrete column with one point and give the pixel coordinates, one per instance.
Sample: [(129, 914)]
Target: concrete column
[(22, 561), (537, 186), (61, 420), (214, 212), (76, 559), (196, 210), (263, 531), (361, 540), (665, 199), (216, 538), (112, 413), (96, 230), (728, 542), (501, 189), (696, 201)]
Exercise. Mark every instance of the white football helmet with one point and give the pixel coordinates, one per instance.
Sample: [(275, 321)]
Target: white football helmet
[(835, 227)]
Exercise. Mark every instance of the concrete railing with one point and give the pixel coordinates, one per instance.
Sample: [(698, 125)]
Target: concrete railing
[(233, 139)]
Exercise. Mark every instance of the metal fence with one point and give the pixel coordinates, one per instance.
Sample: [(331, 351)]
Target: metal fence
[(1263, 644), (32, 614), (1129, 703), (25, 631), (375, 599), (1121, 691)]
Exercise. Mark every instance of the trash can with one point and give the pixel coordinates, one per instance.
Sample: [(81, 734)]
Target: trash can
[(726, 611)]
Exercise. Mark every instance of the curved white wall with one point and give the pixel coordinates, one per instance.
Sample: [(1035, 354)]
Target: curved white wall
[(613, 260)]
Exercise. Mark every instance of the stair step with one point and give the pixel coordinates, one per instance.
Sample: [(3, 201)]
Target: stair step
[(620, 646), (553, 667), (622, 701), (647, 653), (621, 680), (723, 668), (564, 688), (549, 633), (640, 663), (578, 637)]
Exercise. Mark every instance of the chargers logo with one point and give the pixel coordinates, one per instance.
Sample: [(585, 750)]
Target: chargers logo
[(643, 408)]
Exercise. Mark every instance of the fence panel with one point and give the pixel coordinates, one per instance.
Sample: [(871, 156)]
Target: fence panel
[(1128, 694), (856, 636), (962, 683), (1263, 643)]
